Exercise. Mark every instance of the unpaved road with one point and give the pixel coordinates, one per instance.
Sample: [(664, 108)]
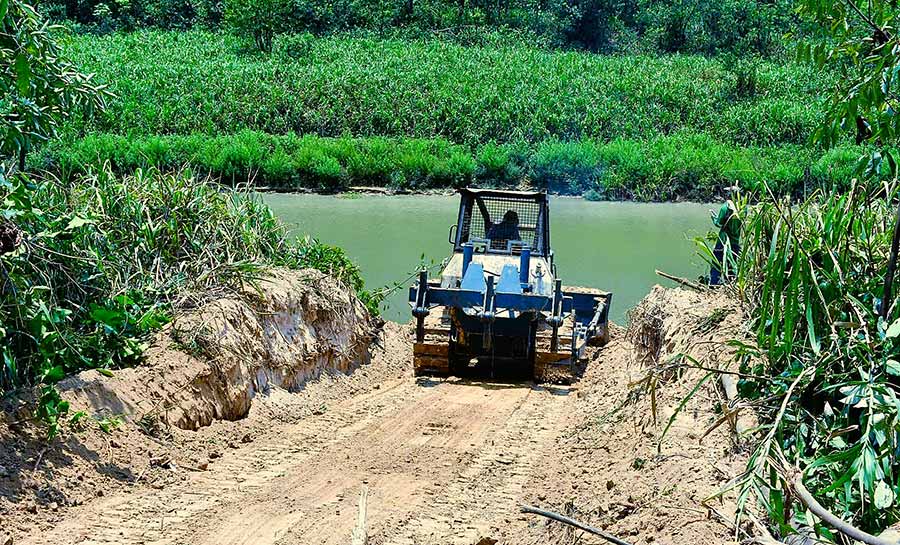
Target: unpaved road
[(444, 462)]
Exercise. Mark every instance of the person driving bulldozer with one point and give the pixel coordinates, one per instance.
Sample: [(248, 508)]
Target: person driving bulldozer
[(508, 229)]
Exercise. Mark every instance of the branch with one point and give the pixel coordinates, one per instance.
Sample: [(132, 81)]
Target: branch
[(807, 499), (868, 21), (572, 522), (359, 536), (683, 281)]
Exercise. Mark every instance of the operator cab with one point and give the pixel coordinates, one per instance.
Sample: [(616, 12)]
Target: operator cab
[(502, 222)]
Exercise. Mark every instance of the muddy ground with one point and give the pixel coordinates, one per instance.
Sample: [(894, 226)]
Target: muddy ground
[(443, 461)]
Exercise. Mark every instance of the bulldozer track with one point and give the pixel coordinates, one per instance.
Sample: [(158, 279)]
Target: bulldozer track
[(443, 460)]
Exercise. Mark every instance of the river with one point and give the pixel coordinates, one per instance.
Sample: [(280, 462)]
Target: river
[(615, 246)]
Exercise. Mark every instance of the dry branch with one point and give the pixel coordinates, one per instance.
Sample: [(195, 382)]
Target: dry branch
[(683, 281), (572, 522)]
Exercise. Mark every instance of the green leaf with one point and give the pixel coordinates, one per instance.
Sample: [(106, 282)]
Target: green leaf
[(884, 496), (894, 330), (893, 367), (54, 374), (77, 222), (106, 372), (23, 74), (4, 8)]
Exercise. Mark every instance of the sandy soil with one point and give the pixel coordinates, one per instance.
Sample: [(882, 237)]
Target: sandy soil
[(443, 461)]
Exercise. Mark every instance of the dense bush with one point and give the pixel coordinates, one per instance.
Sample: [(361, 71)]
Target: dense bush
[(682, 166), (198, 82), (692, 26), (822, 367), (96, 264), (258, 19)]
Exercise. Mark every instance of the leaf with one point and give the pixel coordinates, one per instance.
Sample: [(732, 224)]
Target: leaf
[(893, 367), (77, 222), (4, 8), (106, 372), (894, 330), (884, 496), (23, 74), (54, 374)]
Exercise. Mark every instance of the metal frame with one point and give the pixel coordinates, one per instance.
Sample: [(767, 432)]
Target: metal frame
[(468, 203)]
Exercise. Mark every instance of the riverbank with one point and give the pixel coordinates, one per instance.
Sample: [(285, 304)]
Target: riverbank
[(683, 166), (95, 266), (324, 114)]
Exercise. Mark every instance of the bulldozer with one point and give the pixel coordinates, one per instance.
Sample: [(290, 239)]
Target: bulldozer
[(499, 308)]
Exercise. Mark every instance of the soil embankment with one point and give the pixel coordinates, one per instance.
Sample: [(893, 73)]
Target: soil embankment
[(444, 461)]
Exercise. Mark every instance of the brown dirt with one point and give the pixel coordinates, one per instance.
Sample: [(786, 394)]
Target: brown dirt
[(444, 461)]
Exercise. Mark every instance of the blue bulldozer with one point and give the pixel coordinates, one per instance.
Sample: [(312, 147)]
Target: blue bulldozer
[(499, 308)]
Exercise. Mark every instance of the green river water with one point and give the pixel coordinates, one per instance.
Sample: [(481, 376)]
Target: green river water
[(612, 246)]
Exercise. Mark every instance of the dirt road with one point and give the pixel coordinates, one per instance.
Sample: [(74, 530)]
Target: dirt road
[(441, 460), (444, 461)]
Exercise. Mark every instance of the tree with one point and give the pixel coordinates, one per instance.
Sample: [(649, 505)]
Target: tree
[(863, 46), (38, 87), (260, 19)]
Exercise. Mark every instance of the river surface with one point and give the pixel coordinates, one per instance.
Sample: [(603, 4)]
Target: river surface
[(612, 246)]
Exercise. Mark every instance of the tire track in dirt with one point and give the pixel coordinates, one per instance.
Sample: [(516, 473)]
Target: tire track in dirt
[(441, 460), (487, 490), (165, 517)]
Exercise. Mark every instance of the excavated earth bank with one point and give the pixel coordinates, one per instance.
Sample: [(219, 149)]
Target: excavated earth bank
[(259, 420), (213, 361)]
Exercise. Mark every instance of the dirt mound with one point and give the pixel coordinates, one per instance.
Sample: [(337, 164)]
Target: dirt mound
[(613, 468), (234, 366), (212, 362)]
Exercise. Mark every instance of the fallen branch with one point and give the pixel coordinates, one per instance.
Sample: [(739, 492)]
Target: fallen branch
[(807, 499), (683, 281), (359, 536), (572, 522)]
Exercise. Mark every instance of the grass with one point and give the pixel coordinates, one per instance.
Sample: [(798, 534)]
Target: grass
[(822, 368), (197, 82), (680, 166), (105, 259)]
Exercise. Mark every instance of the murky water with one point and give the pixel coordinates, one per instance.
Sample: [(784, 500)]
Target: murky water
[(611, 246)]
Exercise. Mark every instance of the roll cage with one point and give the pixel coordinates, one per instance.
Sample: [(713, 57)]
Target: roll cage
[(485, 221)]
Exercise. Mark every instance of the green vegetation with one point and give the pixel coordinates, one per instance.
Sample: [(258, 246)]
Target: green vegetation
[(259, 19), (695, 26), (102, 261), (663, 168), (419, 113), (198, 83), (822, 368), (38, 89), (817, 277)]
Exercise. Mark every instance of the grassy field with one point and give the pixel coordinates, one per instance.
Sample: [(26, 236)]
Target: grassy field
[(199, 82), (327, 113)]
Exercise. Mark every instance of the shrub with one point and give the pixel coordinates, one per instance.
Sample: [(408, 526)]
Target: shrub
[(680, 166), (260, 20), (101, 259)]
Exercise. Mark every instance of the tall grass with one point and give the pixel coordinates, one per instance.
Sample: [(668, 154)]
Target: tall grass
[(680, 166), (200, 82), (822, 368), (105, 259)]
